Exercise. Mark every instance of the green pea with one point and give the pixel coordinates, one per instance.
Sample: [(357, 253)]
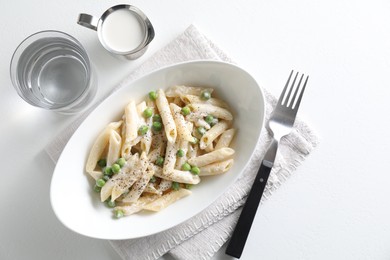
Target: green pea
[(175, 185), (195, 170), (153, 95), (160, 161), (110, 203), (157, 126), (209, 119), (97, 188), (205, 95), (121, 161), (118, 213), (201, 130), (195, 140), (157, 118), (107, 171), (180, 153), (188, 186), (186, 167), (102, 163), (185, 111), (214, 122), (100, 182), (148, 112), (153, 179), (106, 178), (143, 130), (116, 168)]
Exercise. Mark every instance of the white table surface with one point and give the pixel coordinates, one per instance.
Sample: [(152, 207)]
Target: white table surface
[(336, 205)]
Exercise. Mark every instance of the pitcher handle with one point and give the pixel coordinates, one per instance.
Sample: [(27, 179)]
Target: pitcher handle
[(88, 21)]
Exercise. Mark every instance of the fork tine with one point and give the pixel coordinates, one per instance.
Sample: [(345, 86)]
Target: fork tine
[(286, 101), (284, 89), (296, 92), (300, 95)]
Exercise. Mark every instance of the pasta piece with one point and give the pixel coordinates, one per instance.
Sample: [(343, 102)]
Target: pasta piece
[(207, 109), (212, 134), (188, 99), (214, 156), (192, 151), (225, 139), (170, 158), (166, 200), (139, 186), (106, 190), (140, 108), (150, 188), (131, 208), (124, 176), (158, 142), (134, 176), (216, 168), (183, 131), (209, 148), (166, 116), (164, 185), (131, 121), (177, 176), (131, 128), (114, 147), (98, 148), (146, 140), (201, 122), (178, 91), (152, 156)]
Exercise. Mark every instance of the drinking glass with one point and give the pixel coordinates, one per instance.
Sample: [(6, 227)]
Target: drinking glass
[(51, 70)]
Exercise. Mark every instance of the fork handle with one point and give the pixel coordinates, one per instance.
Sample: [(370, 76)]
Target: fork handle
[(241, 231)]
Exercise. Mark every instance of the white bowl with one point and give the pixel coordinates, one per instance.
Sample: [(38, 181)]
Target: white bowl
[(78, 207)]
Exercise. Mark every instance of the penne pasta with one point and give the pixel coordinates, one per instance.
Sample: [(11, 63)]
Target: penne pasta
[(164, 185), (216, 168), (212, 134), (188, 99), (208, 109), (170, 158), (139, 186), (214, 156), (131, 122), (125, 176), (98, 148), (183, 131), (150, 188), (131, 208), (177, 176), (166, 116), (146, 140), (225, 139), (135, 174), (131, 129), (167, 200), (114, 147)]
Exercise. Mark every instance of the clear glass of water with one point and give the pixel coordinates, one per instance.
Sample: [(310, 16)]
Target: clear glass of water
[(51, 70)]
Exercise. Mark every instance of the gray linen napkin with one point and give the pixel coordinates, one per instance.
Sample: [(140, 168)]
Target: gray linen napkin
[(204, 234)]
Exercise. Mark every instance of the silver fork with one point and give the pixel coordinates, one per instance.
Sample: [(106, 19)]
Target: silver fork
[(279, 125)]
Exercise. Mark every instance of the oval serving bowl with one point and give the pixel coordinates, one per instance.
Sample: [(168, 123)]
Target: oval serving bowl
[(72, 197)]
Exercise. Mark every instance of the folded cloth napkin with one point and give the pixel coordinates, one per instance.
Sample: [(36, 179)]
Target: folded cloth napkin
[(204, 234)]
